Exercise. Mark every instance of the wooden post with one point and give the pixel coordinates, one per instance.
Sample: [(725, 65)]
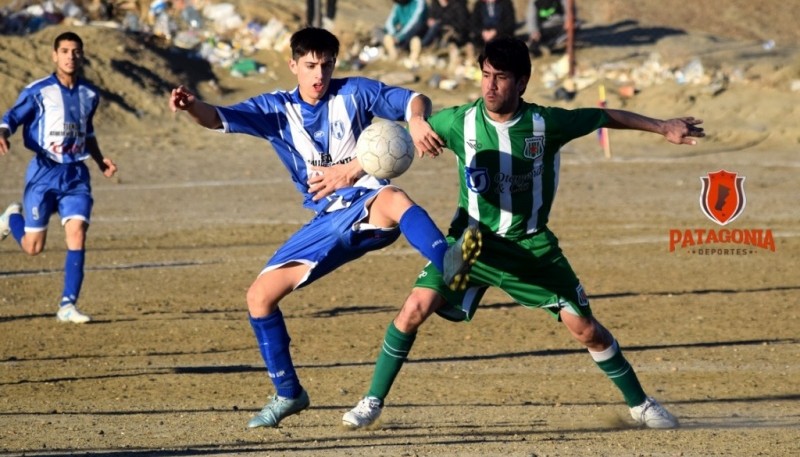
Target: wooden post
[(317, 13), (570, 24), (602, 134)]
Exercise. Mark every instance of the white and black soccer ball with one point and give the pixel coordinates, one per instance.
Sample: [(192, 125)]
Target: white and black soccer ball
[(385, 149)]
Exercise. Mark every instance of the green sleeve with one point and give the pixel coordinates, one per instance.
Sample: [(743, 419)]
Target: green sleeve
[(578, 122), (441, 122)]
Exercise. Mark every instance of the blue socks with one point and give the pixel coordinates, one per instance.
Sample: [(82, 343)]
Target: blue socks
[(273, 342), (423, 235), (73, 276), (17, 224)]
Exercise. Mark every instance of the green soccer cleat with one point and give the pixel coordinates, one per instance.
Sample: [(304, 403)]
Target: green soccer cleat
[(278, 409), (460, 257)]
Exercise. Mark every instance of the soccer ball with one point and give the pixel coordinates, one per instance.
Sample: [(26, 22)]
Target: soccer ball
[(385, 150)]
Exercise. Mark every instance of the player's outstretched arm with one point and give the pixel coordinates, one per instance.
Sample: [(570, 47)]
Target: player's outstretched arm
[(425, 139), (204, 114), (681, 130)]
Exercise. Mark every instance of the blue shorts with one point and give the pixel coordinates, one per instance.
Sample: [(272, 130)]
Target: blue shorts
[(334, 238), (54, 187)]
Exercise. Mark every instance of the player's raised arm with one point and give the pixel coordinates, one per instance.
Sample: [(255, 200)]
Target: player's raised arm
[(204, 114), (680, 130)]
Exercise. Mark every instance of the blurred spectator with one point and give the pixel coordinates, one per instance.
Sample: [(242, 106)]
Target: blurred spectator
[(448, 22), (406, 21), (546, 22), (491, 19), (325, 17)]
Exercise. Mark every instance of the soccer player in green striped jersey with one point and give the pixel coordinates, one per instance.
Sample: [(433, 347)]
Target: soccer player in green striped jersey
[(508, 158)]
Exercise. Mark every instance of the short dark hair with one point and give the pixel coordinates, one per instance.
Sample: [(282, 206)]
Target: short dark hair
[(67, 36), (507, 54), (314, 40)]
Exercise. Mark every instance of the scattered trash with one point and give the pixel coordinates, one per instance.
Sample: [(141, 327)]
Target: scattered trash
[(627, 91), (246, 67), (691, 73), (211, 31)]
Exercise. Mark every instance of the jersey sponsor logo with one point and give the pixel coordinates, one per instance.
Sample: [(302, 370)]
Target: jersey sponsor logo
[(516, 183), (61, 149), (327, 161), (477, 179), (70, 130), (534, 147), (722, 200), (722, 196)]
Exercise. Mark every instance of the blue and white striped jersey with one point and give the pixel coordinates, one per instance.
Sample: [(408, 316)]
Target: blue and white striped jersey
[(324, 134), (56, 120)]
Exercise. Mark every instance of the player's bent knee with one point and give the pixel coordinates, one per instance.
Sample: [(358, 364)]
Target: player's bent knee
[(33, 249), (416, 309), (257, 303)]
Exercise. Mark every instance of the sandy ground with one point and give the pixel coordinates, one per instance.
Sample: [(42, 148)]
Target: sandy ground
[(169, 366)]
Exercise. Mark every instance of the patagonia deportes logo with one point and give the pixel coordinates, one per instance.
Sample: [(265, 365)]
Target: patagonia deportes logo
[(722, 200)]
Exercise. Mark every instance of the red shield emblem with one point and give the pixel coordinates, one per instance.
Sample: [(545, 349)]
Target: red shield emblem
[(534, 147), (722, 197)]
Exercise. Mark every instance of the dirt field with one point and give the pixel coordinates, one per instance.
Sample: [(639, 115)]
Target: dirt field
[(169, 366)]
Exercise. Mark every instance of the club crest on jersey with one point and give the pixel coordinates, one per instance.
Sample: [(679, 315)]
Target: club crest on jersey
[(722, 196), (477, 179), (534, 147), (337, 130)]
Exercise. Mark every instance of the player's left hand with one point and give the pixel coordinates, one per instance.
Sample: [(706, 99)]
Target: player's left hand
[(325, 180), (425, 139), (110, 168), (181, 98), (683, 130)]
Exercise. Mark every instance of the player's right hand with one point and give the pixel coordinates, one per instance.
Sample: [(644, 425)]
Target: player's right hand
[(181, 99), (5, 146)]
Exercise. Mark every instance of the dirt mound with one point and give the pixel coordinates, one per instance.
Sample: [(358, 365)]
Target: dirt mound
[(133, 71)]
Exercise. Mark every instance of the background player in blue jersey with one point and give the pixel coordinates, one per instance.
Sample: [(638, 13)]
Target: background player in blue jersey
[(313, 129), (56, 116), (508, 158)]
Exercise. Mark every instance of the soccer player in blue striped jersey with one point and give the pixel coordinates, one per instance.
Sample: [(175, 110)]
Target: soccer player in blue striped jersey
[(313, 130), (508, 157), (56, 114)]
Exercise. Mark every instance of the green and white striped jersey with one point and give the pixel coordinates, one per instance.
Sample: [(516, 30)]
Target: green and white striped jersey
[(509, 170)]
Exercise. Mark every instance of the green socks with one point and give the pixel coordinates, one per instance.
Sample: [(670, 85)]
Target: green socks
[(395, 349), (621, 373)]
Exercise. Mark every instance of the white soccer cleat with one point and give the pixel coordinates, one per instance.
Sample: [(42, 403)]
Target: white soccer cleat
[(366, 412), (70, 313), (5, 228), (652, 415)]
